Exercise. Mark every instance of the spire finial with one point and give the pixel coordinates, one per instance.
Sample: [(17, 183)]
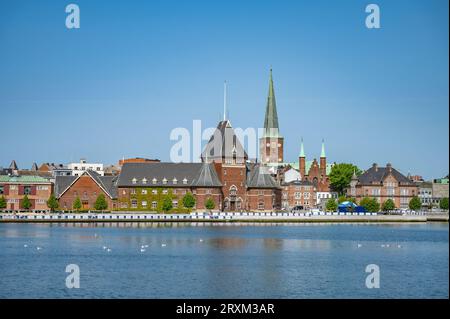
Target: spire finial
[(322, 153), (302, 150), (225, 100)]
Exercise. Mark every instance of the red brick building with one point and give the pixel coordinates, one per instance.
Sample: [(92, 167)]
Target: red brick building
[(15, 187), (87, 187)]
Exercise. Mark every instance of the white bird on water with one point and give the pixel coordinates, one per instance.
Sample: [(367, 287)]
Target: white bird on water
[(399, 246), (201, 240), (359, 245), (104, 247), (142, 250), (108, 250), (163, 245), (387, 245), (382, 245), (25, 245), (38, 248)]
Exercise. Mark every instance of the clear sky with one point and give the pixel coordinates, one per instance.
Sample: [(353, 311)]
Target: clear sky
[(137, 69)]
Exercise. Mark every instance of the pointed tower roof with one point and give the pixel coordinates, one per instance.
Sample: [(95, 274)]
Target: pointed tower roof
[(13, 165), (207, 177), (322, 153), (354, 177), (34, 167), (271, 128), (302, 149)]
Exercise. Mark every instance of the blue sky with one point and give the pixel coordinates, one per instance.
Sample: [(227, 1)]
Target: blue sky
[(137, 69)]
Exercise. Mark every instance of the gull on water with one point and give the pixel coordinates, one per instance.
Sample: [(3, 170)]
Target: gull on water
[(163, 245), (25, 245), (38, 248), (359, 245), (108, 250)]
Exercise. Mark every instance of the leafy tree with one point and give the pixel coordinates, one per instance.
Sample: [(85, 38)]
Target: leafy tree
[(101, 203), (344, 198), (2, 202), (388, 205), (442, 205), (210, 204), (370, 204), (188, 200), (77, 204), (331, 205), (415, 203), (52, 203), (341, 175), (26, 203), (167, 204)]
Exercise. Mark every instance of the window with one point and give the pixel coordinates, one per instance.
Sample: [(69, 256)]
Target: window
[(404, 192), (175, 203), (224, 172), (238, 204), (133, 203), (306, 195), (154, 192), (154, 204), (297, 195), (144, 203), (40, 201), (261, 205), (144, 192), (133, 191), (134, 181), (185, 181), (27, 190), (154, 181), (376, 192), (42, 188), (144, 181), (164, 181), (12, 187), (165, 191), (208, 191), (123, 205), (174, 181)]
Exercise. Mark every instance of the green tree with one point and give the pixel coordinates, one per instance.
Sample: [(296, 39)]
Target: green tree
[(341, 175), (388, 205), (210, 204), (26, 203), (443, 204), (52, 203), (331, 205), (77, 204), (101, 203), (415, 203), (2, 202), (344, 198), (167, 204), (188, 200), (370, 204)]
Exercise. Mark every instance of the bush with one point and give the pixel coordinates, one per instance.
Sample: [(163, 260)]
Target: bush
[(388, 205), (370, 204), (52, 203), (331, 205), (210, 204), (101, 203), (415, 203), (444, 203), (26, 203), (77, 204), (188, 200), (2, 202), (167, 204)]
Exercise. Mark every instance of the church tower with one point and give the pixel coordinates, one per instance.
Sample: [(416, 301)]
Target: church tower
[(271, 143)]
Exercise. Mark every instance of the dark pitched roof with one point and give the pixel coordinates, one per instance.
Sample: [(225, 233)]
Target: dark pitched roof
[(299, 183), (13, 165), (107, 183), (225, 143), (259, 177), (143, 174), (377, 174)]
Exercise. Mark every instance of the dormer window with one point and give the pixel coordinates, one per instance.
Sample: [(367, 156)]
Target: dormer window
[(144, 181), (164, 180), (185, 181), (154, 181), (134, 180), (174, 181)]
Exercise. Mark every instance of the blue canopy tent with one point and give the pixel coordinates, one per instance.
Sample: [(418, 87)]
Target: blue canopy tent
[(346, 206)]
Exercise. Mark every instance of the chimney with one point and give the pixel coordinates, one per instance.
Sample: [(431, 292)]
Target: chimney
[(389, 167), (375, 166)]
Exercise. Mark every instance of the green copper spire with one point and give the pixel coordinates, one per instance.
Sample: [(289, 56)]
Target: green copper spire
[(322, 154), (271, 128), (302, 150)]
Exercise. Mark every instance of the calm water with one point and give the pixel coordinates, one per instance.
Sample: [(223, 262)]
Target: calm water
[(224, 261)]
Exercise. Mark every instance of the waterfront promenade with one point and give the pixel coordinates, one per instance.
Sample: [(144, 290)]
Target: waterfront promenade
[(221, 217)]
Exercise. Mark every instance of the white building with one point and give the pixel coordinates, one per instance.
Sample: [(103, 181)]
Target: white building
[(82, 166), (323, 197)]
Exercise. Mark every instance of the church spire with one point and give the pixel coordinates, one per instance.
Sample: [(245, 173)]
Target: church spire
[(322, 153), (271, 128), (302, 150)]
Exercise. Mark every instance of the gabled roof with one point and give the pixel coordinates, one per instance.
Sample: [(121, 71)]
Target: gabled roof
[(207, 177), (107, 183), (225, 143), (376, 175), (168, 175), (259, 177)]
